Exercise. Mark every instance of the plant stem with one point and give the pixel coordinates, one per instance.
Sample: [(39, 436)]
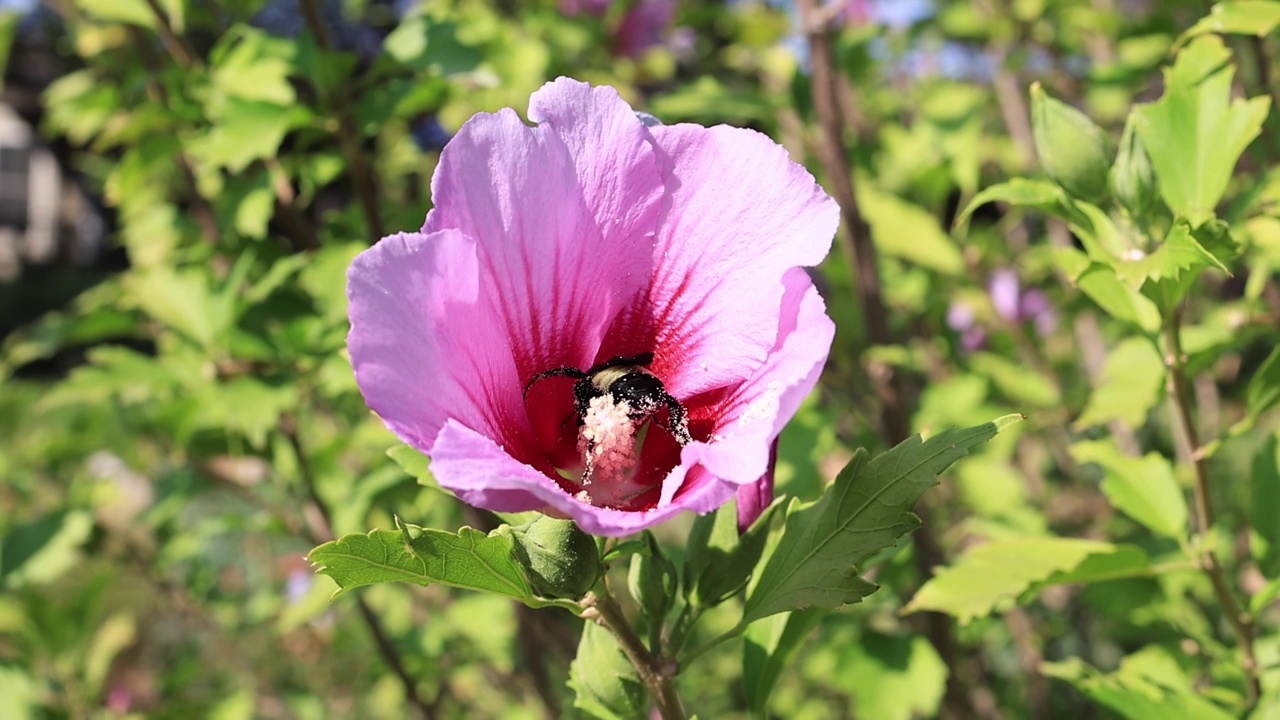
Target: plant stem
[(348, 138), (657, 672), (1240, 621), (386, 648)]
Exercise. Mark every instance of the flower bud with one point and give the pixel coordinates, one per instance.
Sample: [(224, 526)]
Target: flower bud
[(652, 580), (1072, 149), (559, 559), (1133, 179)]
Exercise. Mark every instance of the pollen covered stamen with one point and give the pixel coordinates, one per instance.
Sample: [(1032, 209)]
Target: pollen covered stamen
[(607, 441)]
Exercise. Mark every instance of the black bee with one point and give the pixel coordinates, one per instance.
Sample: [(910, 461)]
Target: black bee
[(625, 379)]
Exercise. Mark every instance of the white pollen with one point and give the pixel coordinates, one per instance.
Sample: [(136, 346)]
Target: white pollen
[(1132, 255), (759, 408), (607, 441)]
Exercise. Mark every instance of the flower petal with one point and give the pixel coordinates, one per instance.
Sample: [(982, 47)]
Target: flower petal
[(426, 343), (752, 416), (742, 214), (484, 475), (564, 214)]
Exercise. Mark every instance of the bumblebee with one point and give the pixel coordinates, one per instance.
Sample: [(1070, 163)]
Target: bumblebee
[(624, 379)]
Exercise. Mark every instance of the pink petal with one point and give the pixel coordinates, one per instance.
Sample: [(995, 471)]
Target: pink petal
[(742, 214), (750, 418), (564, 214), (484, 475), (426, 342)]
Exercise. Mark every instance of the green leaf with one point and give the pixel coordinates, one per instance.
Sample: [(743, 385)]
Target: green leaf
[(1264, 387), (44, 549), (1128, 386), (1018, 382), (768, 646), (414, 463), (1143, 488), (244, 131), (1020, 192), (1148, 684), (605, 683), (999, 571), (1265, 484), (8, 27), (865, 510), (1073, 150), (1179, 253), (1195, 132), (909, 232), (1118, 300), (132, 12), (893, 677), (1246, 17), (718, 561), (469, 559), (114, 635), (256, 67)]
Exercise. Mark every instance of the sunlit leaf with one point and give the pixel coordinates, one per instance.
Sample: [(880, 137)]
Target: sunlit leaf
[(1128, 386), (1195, 132), (1247, 17), (865, 510), (997, 572), (468, 559), (1143, 488), (1148, 684)]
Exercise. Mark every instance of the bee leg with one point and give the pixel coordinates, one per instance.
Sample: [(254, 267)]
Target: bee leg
[(590, 464), (679, 421)]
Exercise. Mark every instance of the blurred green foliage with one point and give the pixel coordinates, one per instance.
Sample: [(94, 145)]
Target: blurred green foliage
[(174, 439)]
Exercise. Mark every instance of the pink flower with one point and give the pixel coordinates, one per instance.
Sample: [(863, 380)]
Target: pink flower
[(643, 26), (586, 237)]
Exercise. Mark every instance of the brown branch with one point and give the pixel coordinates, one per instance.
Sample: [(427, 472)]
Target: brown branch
[(390, 655), (860, 254), (348, 136), (172, 41), (1241, 622), (657, 673)]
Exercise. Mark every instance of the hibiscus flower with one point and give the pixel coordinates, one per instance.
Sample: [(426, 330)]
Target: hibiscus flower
[(586, 237)]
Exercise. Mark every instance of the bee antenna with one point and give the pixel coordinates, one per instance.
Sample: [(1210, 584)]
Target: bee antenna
[(567, 370)]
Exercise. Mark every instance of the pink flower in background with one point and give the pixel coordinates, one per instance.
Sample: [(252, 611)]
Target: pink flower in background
[(582, 239), (643, 26)]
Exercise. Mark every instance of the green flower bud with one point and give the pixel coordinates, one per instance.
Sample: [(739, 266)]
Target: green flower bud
[(560, 560), (1133, 179), (1075, 152), (652, 580)]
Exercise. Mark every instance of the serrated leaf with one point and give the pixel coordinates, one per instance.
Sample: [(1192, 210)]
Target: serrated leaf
[(1143, 488), (865, 510), (768, 645), (468, 559), (1195, 133), (1179, 253), (1265, 486), (999, 571), (1246, 17), (1128, 386)]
